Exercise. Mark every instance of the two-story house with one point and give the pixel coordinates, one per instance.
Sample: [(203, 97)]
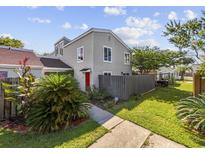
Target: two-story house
[(95, 52)]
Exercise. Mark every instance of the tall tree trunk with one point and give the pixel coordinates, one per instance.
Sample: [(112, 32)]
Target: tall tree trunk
[(182, 75)]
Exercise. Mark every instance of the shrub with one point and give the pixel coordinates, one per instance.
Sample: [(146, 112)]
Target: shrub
[(21, 93), (192, 111), (57, 101), (97, 96)]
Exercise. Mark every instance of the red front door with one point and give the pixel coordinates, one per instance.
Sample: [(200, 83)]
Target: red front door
[(87, 80)]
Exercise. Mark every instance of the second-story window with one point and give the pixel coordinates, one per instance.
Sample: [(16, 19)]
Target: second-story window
[(127, 58), (107, 54), (80, 54)]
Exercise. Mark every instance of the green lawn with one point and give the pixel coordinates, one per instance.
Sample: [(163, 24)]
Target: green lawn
[(156, 112), (79, 137)]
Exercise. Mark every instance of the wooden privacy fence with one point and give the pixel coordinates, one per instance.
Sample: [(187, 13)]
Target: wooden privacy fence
[(198, 84), (7, 109), (126, 86)]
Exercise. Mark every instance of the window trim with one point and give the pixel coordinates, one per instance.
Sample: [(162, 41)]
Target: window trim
[(125, 58), (107, 72), (104, 55), (78, 60)]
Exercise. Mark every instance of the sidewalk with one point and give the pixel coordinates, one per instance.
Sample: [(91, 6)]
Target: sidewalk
[(125, 134)]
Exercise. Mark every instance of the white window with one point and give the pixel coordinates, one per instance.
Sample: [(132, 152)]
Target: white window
[(107, 54), (127, 58), (109, 73), (80, 54)]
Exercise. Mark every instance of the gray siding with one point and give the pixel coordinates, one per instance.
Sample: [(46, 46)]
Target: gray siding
[(117, 66), (93, 44), (70, 57)]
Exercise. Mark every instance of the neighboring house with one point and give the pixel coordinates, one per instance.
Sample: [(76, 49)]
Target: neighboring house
[(167, 71), (93, 53), (10, 61), (53, 64), (58, 46)]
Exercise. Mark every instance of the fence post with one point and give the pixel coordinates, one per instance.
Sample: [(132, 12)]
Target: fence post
[(196, 84)]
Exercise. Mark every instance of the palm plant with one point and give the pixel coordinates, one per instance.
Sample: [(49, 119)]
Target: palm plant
[(57, 101), (192, 111)]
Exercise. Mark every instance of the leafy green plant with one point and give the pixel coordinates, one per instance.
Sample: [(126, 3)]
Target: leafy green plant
[(192, 111), (97, 95), (21, 93), (57, 101)]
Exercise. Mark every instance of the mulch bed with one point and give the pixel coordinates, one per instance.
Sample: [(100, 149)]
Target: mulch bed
[(18, 124), (15, 124)]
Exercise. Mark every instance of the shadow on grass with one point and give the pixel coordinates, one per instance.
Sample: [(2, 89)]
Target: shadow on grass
[(50, 140), (170, 95)]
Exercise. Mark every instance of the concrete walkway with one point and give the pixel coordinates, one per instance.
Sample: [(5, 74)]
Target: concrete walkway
[(125, 134)]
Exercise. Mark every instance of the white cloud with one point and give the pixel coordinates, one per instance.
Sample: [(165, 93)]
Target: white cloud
[(39, 20), (190, 14), (127, 33), (172, 16), (156, 14), (143, 42), (60, 8), (83, 26), (142, 23), (33, 7), (4, 35), (131, 36), (135, 29), (66, 25), (115, 11)]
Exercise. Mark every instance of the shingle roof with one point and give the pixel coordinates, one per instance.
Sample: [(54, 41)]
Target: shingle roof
[(53, 62), (13, 56)]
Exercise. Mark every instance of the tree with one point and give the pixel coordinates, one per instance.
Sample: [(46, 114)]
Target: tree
[(6, 41), (177, 34), (147, 59), (189, 35), (182, 70)]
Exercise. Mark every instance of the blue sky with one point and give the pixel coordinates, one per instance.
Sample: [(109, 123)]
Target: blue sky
[(40, 27)]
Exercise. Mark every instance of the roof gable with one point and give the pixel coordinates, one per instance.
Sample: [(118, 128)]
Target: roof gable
[(98, 30), (63, 38)]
